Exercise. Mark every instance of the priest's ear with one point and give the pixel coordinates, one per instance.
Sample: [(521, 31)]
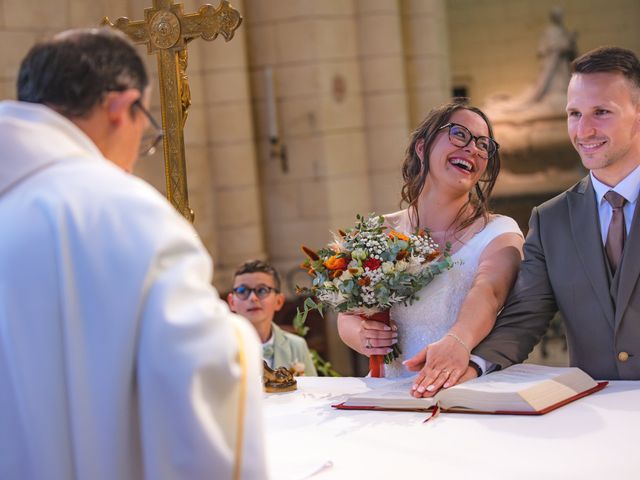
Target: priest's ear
[(118, 104)]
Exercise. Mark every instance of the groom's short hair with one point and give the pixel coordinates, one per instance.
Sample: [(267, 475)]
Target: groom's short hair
[(609, 60)]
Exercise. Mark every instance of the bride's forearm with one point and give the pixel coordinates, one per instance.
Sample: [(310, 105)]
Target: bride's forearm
[(495, 276), (477, 316)]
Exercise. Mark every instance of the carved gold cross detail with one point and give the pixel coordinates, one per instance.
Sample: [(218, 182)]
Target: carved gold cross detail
[(166, 30)]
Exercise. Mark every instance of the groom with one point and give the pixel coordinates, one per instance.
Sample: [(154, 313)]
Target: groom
[(582, 253)]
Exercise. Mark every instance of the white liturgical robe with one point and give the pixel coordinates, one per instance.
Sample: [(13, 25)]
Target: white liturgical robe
[(118, 360)]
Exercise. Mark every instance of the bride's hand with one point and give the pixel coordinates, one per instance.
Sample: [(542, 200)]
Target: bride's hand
[(376, 338), (441, 364)]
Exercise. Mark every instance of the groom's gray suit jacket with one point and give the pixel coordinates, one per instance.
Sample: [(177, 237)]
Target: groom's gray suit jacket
[(565, 268)]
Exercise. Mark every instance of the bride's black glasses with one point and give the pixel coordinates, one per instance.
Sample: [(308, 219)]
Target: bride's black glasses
[(460, 136)]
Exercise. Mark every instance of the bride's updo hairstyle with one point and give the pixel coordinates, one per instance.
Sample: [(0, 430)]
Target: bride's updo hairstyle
[(415, 176)]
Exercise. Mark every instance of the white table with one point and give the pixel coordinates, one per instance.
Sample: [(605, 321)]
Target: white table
[(597, 437)]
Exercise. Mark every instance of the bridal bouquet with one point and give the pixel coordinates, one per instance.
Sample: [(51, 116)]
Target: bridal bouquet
[(367, 269)]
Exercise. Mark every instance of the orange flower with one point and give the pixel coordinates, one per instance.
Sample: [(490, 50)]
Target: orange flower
[(402, 254), (398, 235), (364, 282), (336, 263)]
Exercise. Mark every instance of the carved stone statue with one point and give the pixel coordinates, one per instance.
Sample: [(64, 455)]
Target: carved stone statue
[(531, 126), (279, 380), (556, 49)]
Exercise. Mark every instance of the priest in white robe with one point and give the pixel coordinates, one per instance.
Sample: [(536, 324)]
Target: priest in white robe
[(118, 360)]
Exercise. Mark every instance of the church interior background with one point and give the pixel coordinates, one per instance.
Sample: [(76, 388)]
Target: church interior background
[(339, 84)]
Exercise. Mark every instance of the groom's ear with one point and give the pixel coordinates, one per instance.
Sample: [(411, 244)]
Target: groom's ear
[(636, 120)]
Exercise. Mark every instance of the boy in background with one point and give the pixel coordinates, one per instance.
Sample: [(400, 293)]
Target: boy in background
[(256, 296)]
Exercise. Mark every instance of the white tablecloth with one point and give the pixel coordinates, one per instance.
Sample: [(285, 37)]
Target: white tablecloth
[(597, 437)]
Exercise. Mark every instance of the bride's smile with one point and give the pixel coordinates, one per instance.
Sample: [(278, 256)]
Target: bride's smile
[(452, 168)]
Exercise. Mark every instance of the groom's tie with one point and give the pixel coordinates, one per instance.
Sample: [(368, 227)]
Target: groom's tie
[(617, 231)]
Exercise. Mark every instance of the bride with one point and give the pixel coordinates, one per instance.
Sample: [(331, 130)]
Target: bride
[(449, 171)]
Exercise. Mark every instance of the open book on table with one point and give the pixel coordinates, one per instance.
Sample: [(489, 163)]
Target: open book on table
[(524, 389)]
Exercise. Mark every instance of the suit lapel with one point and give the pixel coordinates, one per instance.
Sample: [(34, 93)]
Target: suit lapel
[(630, 267), (585, 228)]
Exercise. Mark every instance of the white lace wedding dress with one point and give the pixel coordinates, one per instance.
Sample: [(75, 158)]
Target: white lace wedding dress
[(428, 319)]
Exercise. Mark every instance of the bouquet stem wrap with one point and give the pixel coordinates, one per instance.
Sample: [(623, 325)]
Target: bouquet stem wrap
[(376, 362)]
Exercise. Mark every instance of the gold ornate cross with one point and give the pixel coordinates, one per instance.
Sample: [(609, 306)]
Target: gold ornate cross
[(166, 30)]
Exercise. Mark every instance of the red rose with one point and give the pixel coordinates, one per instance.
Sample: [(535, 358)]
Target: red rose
[(372, 263)]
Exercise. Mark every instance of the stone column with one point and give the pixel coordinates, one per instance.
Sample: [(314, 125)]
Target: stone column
[(312, 49), (384, 97), (427, 55), (223, 168), (21, 25)]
